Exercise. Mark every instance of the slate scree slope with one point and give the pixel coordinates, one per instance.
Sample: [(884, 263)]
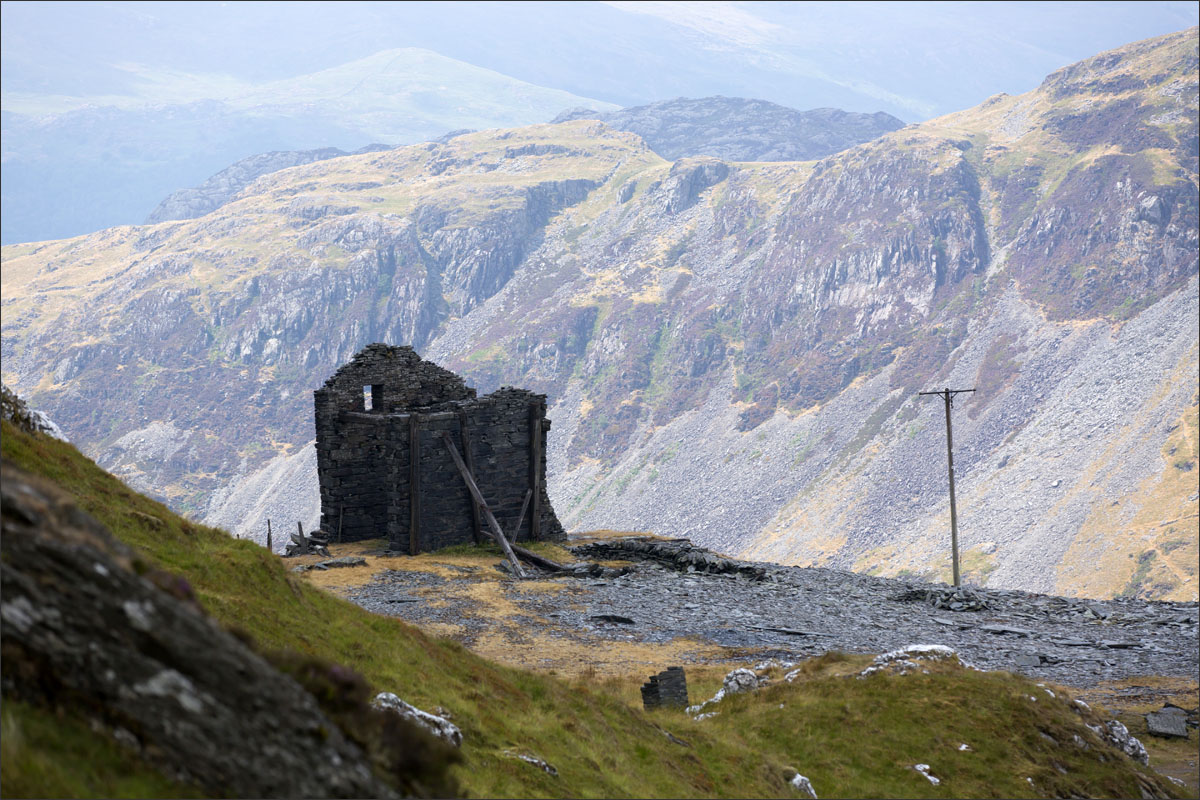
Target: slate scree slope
[(385, 472)]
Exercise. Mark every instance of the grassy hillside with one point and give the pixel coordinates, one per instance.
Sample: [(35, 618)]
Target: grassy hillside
[(600, 744)]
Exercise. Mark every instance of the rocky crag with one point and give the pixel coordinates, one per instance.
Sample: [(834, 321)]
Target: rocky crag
[(221, 188), (740, 129), (732, 350), (734, 129)]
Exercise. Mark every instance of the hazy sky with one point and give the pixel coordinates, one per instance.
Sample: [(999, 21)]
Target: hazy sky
[(108, 107), (914, 60)]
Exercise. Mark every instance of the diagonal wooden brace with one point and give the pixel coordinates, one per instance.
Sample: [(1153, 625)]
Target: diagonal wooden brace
[(496, 533)]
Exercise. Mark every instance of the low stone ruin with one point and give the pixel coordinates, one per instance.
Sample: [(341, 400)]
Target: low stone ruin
[(666, 689)]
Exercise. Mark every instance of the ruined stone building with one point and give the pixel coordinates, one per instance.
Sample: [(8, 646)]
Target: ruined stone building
[(385, 472)]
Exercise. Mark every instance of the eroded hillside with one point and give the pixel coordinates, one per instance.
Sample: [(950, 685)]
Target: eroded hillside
[(733, 350)]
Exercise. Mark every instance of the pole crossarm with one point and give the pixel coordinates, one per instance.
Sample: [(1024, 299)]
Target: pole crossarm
[(948, 393), (947, 396)]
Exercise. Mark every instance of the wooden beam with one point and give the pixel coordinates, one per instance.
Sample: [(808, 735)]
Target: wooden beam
[(535, 470), (496, 532), (538, 561), (414, 483), (465, 433)]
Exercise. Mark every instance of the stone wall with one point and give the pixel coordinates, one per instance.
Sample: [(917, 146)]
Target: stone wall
[(666, 689), (364, 459)]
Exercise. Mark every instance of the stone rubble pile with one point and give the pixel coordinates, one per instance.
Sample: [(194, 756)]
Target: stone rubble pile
[(304, 544), (679, 554)]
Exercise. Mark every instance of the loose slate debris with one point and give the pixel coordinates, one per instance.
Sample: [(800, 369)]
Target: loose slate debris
[(796, 612), (342, 561), (307, 544), (679, 554), (958, 599), (1169, 723)]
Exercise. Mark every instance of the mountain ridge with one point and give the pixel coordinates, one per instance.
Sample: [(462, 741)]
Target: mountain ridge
[(741, 129), (733, 350)]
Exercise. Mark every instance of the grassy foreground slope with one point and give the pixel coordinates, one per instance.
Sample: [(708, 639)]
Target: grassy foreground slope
[(850, 737)]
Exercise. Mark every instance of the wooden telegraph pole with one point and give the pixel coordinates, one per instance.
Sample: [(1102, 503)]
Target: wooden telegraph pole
[(947, 396)]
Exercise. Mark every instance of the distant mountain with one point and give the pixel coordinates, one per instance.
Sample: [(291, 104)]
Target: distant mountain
[(737, 129), (729, 128), (733, 350), (72, 167), (222, 187)]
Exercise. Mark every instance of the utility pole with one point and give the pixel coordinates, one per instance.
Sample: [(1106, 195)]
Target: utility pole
[(947, 395)]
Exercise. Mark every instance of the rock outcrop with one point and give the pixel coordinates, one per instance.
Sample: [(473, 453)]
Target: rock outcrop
[(740, 129), (89, 627), (224, 186)]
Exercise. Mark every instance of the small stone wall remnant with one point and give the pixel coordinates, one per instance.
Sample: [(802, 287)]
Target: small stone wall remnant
[(387, 405), (668, 688)]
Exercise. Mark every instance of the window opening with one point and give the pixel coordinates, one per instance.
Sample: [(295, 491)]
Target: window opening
[(368, 398)]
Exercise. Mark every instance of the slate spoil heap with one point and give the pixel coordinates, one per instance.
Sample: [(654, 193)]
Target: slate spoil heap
[(676, 590)]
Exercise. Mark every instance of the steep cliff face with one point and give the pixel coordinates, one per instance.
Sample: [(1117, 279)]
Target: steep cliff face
[(733, 349), (186, 350)]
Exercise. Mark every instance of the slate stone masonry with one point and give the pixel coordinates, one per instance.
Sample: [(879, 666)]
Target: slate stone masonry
[(388, 403), (668, 688)]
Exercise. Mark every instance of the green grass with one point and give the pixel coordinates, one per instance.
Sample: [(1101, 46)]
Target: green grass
[(851, 737), (33, 743), (861, 737)]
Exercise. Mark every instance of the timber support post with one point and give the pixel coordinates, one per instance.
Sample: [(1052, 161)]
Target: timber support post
[(269, 535), (414, 484), (535, 471), (947, 396)]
